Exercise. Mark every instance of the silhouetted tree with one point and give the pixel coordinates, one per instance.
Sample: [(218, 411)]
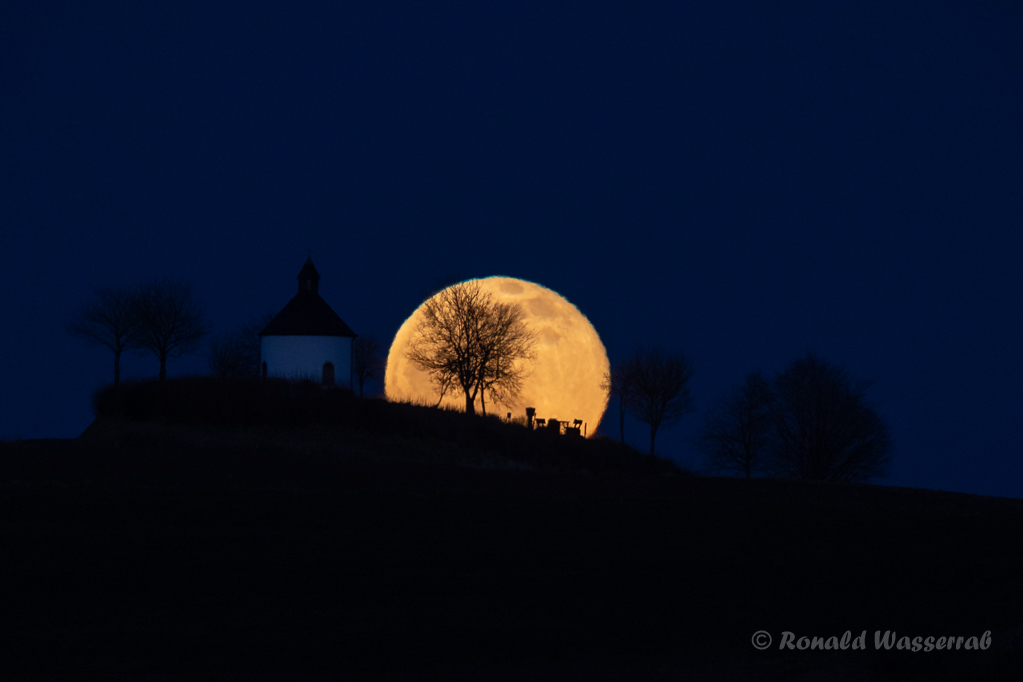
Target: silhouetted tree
[(227, 357), (825, 430), (238, 354), (738, 429), (659, 388), (466, 339), (109, 321), (617, 384), (170, 320), (367, 360), (501, 379), (442, 384)]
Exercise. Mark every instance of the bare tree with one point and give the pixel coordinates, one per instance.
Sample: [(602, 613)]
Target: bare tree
[(170, 320), (238, 354), (367, 360), (737, 431), (229, 358), (468, 340), (617, 383), (506, 343), (108, 321), (825, 428), (659, 384), (442, 384)]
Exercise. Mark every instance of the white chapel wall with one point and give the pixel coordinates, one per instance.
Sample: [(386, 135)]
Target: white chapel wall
[(302, 357)]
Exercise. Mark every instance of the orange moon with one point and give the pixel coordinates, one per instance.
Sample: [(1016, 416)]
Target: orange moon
[(565, 379)]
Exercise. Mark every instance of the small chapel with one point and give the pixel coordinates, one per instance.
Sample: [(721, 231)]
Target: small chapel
[(307, 339)]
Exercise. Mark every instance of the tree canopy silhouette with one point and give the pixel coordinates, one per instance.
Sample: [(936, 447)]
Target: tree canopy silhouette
[(238, 354), (659, 388), (824, 428), (170, 320), (467, 340), (109, 320), (738, 429)]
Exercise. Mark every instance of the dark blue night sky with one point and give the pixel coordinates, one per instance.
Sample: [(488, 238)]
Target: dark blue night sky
[(739, 183)]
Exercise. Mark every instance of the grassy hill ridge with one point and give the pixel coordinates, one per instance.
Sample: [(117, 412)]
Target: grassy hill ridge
[(159, 548)]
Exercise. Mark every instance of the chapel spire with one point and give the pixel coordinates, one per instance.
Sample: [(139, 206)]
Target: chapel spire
[(308, 278)]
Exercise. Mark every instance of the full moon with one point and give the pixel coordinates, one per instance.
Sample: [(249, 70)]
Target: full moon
[(564, 381)]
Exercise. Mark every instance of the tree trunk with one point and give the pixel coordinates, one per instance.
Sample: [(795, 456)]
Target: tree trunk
[(117, 367), (470, 404), (163, 366), (621, 421), (653, 433)]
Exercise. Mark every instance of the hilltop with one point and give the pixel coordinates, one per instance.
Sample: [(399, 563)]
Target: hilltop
[(159, 546)]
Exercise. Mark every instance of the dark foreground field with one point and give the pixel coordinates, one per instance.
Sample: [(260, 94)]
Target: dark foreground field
[(154, 558)]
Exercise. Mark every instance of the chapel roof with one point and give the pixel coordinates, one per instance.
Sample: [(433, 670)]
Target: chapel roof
[(307, 314)]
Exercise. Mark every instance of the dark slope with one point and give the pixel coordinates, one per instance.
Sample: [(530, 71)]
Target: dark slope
[(150, 550)]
